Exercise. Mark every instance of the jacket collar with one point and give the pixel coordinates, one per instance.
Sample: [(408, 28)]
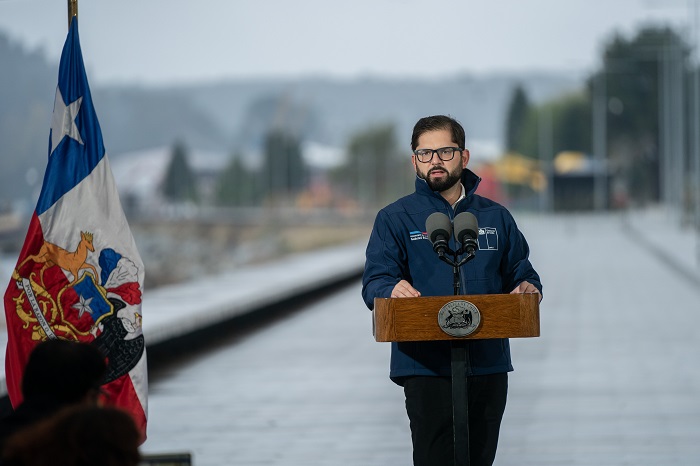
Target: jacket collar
[(469, 179)]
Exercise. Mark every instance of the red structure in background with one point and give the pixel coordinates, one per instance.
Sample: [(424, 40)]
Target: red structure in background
[(490, 185)]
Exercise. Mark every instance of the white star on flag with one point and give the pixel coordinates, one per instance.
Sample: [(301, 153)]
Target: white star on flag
[(63, 120), (83, 306)]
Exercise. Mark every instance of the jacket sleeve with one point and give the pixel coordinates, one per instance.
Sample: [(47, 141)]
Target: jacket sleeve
[(385, 263), (516, 267)]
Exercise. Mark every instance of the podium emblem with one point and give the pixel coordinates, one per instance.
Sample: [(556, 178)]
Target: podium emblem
[(459, 318)]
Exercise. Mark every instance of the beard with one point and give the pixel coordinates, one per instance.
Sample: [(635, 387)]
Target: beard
[(446, 182)]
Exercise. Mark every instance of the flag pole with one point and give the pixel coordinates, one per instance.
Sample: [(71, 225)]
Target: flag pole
[(72, 10)]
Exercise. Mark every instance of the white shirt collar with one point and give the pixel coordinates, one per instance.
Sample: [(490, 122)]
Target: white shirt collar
[(462, 196)]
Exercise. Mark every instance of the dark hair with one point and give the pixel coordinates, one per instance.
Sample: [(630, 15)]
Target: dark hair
[(435, 123), (80, 435), (62, 372)]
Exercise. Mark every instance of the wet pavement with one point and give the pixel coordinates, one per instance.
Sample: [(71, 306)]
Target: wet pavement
[(613, 380)]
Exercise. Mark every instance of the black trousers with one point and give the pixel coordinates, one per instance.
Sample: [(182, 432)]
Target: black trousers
[(429, 408)]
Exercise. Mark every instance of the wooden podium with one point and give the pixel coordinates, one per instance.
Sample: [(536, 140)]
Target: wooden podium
[(415, 319), (425, 318)]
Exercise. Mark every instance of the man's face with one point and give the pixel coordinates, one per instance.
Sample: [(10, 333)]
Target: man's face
[(439, 175)]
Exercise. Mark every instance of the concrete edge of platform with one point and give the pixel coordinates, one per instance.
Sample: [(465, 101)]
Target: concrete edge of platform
[(253, 299)]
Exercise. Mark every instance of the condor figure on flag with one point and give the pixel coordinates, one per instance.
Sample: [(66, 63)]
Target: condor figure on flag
[(79, 276)]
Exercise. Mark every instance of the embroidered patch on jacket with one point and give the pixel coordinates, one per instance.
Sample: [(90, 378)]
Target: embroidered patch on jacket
[(488, 239), (418, 235)]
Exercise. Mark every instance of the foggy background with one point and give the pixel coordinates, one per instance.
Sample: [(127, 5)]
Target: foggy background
[(238, 131)]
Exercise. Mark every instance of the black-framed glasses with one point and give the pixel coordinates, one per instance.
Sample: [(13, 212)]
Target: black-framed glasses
[(444, 153)]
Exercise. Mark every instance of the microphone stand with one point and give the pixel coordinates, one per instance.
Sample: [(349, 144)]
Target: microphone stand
[(459, 353)]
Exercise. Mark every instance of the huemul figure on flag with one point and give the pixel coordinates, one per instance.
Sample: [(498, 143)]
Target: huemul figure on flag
[(79, 276)]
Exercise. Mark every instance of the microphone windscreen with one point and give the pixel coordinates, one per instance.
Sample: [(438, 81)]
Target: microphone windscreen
[(438, 224), (466, 225)]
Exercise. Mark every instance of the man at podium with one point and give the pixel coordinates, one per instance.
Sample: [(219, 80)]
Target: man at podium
[(401, 262)]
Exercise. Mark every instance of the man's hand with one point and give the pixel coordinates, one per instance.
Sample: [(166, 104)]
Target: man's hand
[(526, 287), (403, 289)]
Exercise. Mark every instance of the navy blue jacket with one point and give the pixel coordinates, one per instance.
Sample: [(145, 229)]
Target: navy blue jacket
[(399, 248)]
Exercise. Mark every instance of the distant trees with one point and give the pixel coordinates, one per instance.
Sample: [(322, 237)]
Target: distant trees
[(179, 183), (643, 80), (516, 118), (564, 122), (274, 126), (375, 173), (282, 176), (283, 164), (237, 185)]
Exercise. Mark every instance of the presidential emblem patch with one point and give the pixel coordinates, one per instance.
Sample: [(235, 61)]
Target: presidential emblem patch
[(459, 318)]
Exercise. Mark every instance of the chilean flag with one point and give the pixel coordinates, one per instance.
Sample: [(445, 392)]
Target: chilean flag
[(79, 276)]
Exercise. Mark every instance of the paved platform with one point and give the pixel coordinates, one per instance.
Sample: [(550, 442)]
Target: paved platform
[(613, 380)]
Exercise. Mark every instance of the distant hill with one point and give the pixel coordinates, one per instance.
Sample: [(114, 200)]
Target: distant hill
[(337, 108), (229, 115), (27, 88)]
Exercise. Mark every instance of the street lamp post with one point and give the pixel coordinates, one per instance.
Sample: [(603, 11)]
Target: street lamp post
[(600, 145), (695, 131), (545, 136)]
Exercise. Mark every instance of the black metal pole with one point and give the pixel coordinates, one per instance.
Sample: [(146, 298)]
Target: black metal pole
[(455, 283), (460, 402), (460, 399)]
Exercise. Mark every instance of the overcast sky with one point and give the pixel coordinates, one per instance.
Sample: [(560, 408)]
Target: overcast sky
[(175, 41)]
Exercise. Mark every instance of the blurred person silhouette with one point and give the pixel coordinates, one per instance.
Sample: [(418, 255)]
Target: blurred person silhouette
[(58, 373), (79, 435), (401, 262)]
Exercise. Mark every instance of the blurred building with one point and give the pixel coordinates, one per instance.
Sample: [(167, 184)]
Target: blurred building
[(139, 175), (574, 178)]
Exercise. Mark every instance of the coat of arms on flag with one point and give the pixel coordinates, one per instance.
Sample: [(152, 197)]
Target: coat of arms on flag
[(79, 276)]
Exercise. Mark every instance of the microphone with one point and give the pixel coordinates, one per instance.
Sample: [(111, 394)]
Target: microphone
[(467, 231), (439, 229)]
